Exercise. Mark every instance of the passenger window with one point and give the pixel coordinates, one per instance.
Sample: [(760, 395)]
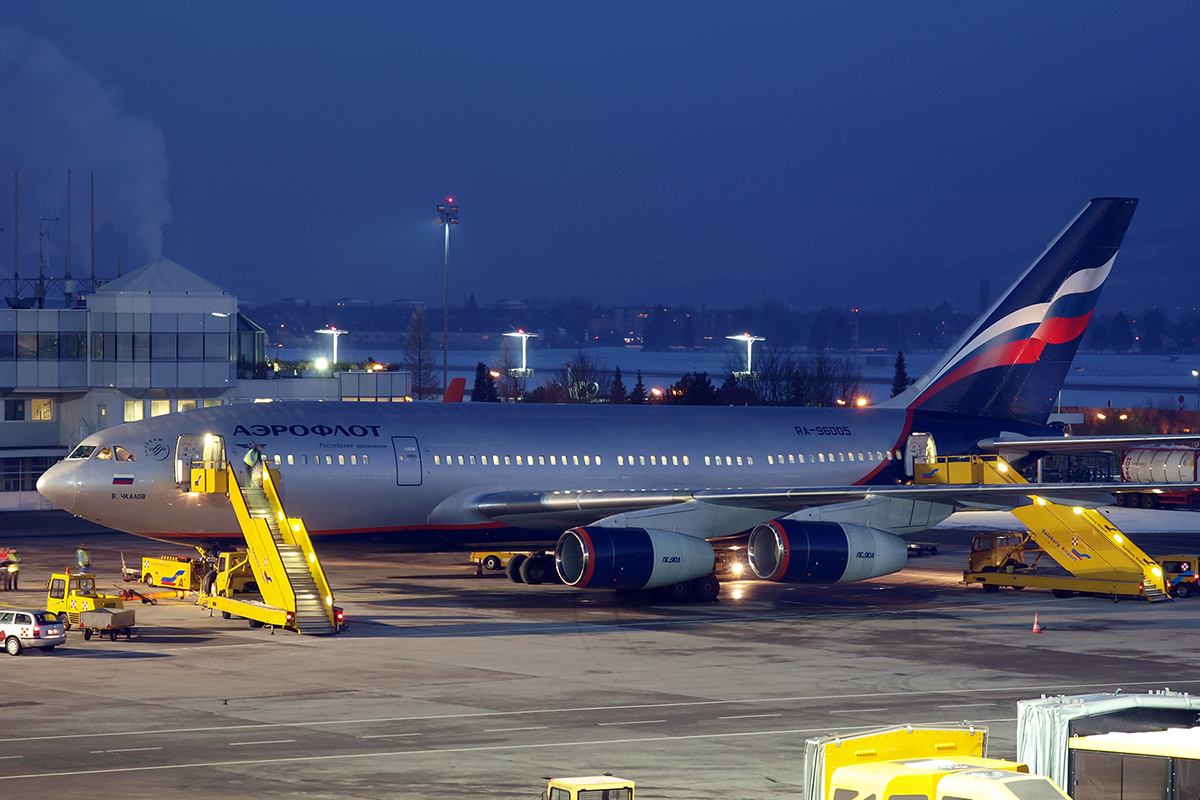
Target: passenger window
[(642, 460), (620, 461), (674, 461), (739, 461), (519, 462), (708, 461), (303, 458), (508, 461), (654, 461), (495, 460), (575, 460), (24, 619), (554, 461), (354, 460), (750, 461), (686, 462), (587, 461), (822, 457), (437, 460), (367, 459), (6, 618), (541, 461), (850, 456), (291, 460), (529, 460), (329, 461), (878, 456), (123, 454), (105, 454), (860, 458), (472, 461), (461, 461), (771, 459), (597, 461)]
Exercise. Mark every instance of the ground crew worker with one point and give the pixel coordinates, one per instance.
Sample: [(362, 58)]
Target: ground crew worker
[(253, 459), (14, 568), (83, 558), (5, 580)]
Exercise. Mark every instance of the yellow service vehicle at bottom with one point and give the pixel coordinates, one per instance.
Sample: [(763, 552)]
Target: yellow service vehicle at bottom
[(69, 595), (911, 778), (591, 787)]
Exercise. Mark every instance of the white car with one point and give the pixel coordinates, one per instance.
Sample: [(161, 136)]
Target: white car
[(24, 628)]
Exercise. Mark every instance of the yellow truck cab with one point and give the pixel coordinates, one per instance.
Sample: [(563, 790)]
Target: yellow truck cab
[(591, 787), (996, 552), (70, 595), (911, 778), (232, 575)]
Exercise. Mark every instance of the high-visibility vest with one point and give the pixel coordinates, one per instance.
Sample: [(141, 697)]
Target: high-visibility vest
[(251, 457)]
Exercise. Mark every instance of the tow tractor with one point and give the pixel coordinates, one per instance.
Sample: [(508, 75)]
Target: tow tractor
[(592, 787), (75, 599)]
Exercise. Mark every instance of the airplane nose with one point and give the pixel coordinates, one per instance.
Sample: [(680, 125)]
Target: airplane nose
[(57, 485)]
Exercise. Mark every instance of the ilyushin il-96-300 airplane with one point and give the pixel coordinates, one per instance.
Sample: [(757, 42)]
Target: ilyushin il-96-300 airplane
[(634, 497)]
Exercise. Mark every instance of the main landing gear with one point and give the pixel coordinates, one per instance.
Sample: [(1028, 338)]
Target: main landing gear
[(538, 568)]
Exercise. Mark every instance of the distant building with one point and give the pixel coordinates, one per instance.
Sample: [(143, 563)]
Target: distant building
[(156, 341)]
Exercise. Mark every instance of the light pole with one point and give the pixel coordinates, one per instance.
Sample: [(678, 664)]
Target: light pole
[(447, 215), (1196, 375), (521, 373), (335, 333), (749, 340)]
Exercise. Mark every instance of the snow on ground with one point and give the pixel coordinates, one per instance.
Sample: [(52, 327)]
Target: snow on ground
[(1130, 520)]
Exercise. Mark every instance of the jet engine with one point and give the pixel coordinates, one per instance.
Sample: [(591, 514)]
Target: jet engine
[(630, 558), (791, 551)]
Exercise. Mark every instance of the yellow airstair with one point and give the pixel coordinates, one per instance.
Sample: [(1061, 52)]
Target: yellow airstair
[(292, 585), (1100, 557)]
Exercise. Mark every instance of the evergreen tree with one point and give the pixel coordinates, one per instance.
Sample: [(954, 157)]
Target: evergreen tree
[(639, 392), (616, 395), (479, 392), (492, 394), (1120, 335), (900, 381)]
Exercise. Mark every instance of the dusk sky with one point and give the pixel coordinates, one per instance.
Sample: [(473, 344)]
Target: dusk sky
[(827, 154)]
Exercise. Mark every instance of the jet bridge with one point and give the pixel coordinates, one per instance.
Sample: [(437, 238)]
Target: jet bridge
[(293, 591), (1099, 556)]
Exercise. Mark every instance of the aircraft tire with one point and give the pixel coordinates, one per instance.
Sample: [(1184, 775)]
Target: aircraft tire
[(678, 592), (533, 570), (706, 589), (514, 568)]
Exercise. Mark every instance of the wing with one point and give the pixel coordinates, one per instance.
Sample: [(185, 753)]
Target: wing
[(1066, 445), (562, 510)]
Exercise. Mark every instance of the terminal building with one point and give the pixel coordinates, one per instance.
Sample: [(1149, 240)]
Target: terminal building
[(159, 340)]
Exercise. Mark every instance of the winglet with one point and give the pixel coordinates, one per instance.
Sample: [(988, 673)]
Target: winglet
[(455, 391)]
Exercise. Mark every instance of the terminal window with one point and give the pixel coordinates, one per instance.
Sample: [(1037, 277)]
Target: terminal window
[(14, 410), (134, 410)]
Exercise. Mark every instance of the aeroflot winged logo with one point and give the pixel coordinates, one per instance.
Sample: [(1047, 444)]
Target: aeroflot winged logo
[(359, 431)]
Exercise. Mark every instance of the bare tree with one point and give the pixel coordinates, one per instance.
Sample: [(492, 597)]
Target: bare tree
[(584, 380), (419, 356)]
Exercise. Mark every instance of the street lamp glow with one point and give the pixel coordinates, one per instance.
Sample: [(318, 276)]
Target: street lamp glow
[(860, 402), (447, 215), (749, 340), (523, 372), (321, 364), (335, 333)]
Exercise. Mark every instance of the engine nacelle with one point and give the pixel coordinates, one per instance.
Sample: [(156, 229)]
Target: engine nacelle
[(791, 551), (630, 558)]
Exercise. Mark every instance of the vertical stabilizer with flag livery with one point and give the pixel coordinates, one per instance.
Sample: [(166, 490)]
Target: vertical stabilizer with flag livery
[(1011, 363)]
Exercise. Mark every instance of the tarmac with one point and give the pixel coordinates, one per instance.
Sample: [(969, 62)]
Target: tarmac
[(447, 684)]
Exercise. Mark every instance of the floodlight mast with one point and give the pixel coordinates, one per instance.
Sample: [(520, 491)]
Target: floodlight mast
[(523, 373), (447, 215), (749, 340), (335, 333)]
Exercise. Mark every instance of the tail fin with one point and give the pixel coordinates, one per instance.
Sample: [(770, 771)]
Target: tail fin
[(1011, 362), (455, 391)]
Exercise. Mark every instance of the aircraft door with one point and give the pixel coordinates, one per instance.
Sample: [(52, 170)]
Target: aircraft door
[(920, 445), (196, 448), (408, 461)]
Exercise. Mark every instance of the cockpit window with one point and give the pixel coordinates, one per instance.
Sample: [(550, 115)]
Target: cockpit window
[(105, 454), (123, 454), (83, 451)]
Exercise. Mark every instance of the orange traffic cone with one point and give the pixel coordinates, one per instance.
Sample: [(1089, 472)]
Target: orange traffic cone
[(1036, 627), (478, 569)]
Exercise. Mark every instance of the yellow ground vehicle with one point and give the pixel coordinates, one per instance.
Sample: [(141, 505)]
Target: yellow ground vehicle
[(997, 552), (910, 778), (70, 595), (492, 560), (1180, 574), (590, 787), (172, 572)]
